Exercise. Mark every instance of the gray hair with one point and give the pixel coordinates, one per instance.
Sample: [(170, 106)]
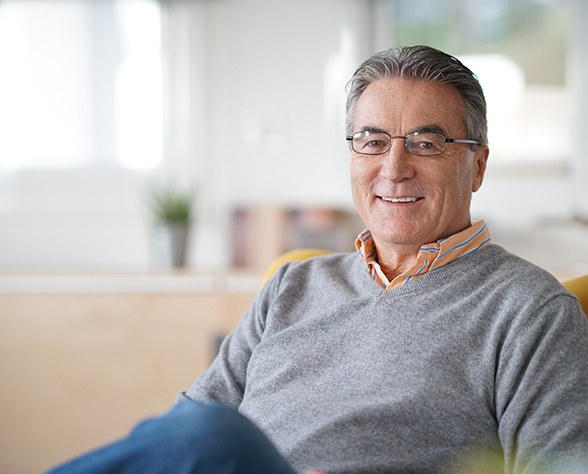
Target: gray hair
[(427, 64)]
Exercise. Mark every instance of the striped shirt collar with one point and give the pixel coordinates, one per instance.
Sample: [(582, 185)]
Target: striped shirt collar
[(430, 256)]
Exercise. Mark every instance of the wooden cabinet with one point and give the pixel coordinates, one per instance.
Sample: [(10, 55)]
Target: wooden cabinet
[(80, 368)]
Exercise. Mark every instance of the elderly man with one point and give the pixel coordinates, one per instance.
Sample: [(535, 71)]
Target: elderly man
[(428, 345)]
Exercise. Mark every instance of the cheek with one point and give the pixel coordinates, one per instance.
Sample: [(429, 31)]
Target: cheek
[(361, 175), (356, 187), (361, 184), (460, 186), (461, 167), (451, 182)]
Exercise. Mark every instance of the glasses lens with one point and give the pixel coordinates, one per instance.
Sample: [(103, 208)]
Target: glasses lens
[(425, 143), (370, 143)]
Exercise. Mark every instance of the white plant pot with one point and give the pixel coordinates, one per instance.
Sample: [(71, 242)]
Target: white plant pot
[(169, 245)]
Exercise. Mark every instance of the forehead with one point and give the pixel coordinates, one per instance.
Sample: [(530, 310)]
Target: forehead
[(400, 105)]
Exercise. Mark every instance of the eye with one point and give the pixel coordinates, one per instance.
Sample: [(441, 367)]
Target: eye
[(376, 144), (423, 144), (371, 143), (426, 143)]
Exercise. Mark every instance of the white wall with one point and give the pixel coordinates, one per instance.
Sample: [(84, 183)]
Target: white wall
[(277, 76)]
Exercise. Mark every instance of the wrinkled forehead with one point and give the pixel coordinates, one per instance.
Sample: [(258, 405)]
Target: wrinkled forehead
[(398, 105)]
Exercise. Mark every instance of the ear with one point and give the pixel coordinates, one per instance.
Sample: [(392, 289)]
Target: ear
[(481, 159)]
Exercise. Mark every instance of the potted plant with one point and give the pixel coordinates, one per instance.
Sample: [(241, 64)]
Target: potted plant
[(171, 209)]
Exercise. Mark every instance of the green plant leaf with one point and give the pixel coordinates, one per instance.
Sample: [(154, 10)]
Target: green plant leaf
[(171, 204)]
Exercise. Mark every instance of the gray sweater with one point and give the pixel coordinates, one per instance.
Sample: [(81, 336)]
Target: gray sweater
[(346, 377)]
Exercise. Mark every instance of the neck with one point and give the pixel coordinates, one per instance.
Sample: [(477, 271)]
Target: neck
[(397, 260)]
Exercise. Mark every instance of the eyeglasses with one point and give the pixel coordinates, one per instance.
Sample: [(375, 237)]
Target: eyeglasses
[(378, 142)]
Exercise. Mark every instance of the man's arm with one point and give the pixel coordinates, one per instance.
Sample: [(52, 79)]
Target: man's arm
[(225, 380), (542, 388)]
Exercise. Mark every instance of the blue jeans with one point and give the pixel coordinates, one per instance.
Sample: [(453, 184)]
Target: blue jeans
[(191, 438)]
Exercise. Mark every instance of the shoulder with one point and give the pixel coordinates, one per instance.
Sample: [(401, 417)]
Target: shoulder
[(312, 287), (327, 262), (330, 267), (336, 272), (525, 295), (503, 270), (508, 289)]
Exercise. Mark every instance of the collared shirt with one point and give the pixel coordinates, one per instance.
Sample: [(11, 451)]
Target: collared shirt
[(430, 256)]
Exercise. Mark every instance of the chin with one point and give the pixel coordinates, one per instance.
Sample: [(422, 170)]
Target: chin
[(400, 238)]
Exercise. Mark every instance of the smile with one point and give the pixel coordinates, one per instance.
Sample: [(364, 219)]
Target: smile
[(400, 199)]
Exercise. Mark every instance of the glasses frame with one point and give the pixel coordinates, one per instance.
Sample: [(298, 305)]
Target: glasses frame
[(446, 140)]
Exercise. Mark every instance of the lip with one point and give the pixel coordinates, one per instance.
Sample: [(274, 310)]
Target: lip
[(400, 199)]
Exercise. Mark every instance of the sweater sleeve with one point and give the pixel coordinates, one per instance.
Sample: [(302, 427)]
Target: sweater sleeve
[(542, 389), (225, 380)]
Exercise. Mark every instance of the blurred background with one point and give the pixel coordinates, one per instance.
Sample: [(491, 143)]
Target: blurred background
[(235, 108), (244, 101)]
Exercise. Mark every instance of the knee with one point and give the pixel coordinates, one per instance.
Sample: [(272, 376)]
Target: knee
[(191, 438), (201, 428), (214, 438), (195, 420)]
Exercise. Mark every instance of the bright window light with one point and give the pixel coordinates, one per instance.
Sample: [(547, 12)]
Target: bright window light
[(80, 84), (518, 112)]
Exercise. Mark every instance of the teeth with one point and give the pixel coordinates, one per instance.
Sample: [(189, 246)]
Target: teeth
[(402, 199)]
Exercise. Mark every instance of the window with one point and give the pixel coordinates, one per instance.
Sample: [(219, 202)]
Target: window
[(80, 84), (525, 85)]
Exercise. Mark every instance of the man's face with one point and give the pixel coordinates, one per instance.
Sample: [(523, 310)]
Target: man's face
[(442, 185)]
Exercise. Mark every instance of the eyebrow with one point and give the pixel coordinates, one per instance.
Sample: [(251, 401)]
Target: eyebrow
[(373, 130), (429, 128)]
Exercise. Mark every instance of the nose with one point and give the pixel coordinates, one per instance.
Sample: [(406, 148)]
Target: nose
[(397, 165)]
